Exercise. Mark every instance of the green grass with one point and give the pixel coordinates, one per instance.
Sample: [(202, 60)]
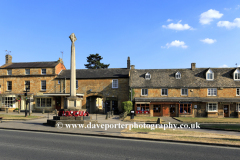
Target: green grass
[(141, 119), (158, 130), (208, 120), (17, 117)]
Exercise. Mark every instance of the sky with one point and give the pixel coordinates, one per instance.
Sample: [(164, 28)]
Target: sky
[(155, 34)]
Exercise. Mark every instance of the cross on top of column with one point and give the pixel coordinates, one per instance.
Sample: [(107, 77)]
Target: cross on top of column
[(73, 37)]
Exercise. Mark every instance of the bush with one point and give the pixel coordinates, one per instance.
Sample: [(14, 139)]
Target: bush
[(127, 106)]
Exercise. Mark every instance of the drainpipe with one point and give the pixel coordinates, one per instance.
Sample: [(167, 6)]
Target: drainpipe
[(131, 94)]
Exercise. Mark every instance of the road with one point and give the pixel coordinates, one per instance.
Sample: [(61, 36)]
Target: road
[(36, 145)]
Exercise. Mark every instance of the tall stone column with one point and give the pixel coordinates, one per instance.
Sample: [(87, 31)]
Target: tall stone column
[(73, 102), (73, 67)]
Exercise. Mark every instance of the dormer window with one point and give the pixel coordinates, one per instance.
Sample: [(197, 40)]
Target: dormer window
[(178, 75), (236, 74), (147, 76), (209, 75)]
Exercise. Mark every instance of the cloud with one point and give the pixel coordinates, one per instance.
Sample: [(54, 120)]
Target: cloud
[(175, 43), (178, 26), (227, 9), (209, 41), (223, 66), (238, 6), (207, 17), (229, 25), (169, 20)]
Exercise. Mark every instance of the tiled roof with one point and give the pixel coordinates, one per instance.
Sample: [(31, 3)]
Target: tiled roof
[(31, 65), (96, 73), (223, 77)]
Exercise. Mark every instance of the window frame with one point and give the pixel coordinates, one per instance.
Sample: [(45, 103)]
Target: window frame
[(210, 72), (43, 72), (211, 92), (237, 91), (9, 86), (116, 82), (39, 101), (9, 72), (182, 91), (178, 75), (26, 71), (145, 91), (162, 92), (212, 107), (42, 85), (186, 106), (8, 100)]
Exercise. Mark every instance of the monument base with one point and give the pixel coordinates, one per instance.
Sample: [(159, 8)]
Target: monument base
[(74, 103)]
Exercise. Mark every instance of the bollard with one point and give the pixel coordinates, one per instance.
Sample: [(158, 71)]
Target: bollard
[(43, 111), (6, 110), (109, 114), (56, 112), (18, 110), (106, 116), (159, 121), (112, 113)]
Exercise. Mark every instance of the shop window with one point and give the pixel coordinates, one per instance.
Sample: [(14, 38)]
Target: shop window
[(157, 109), (44, 102), (8, 102), (142, 108), (185, 108), (212, 107)]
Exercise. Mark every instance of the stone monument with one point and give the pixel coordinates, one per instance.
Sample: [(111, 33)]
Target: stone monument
[(73, 102)]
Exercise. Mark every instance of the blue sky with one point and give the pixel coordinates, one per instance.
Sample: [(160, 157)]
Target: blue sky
[(156, 34)]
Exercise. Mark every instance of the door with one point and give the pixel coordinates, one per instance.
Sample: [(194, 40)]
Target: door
[(58, 103), (226, 110), (107, 106), (166, 110), (115, 107), (172, 110), (157, 110)]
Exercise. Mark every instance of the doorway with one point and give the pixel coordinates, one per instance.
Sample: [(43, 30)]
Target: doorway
[(157, 110), (226, 110), (165, 109), (58, 103), (172, 110)]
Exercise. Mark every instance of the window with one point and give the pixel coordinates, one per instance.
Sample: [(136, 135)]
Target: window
[(238, 91), (114, 83), (44, 102), (212, 91), (178, 75), (210, 75), (8, 102), (76, 84), (147, 76), (184, 92), (27, 83), (9, 85), (142, 108), (59, 82), (185, 108), (212, 107), (164, 92), (27, 71), (43, 85), (9, 72), (236, 74), (238, 107), (144, 92), (43, 71)]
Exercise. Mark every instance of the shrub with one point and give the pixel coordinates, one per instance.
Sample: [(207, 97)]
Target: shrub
[(127, 106)]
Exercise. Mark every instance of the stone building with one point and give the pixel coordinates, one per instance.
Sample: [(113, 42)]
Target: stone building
[(39, 75), (193, 92)]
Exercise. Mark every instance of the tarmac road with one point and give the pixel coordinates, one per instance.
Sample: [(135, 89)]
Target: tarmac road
[(35, 145)]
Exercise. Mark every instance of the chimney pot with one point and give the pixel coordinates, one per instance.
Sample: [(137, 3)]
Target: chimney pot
[(193, 66)]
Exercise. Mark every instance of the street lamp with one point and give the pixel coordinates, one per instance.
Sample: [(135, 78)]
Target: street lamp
[(27, 87)]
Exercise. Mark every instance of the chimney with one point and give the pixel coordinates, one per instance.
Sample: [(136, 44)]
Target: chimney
[(128, 63), (60, 60), (8, 59), (132, 66), (193, 66)]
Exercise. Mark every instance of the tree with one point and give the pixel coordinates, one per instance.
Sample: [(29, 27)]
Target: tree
[(94, 62)]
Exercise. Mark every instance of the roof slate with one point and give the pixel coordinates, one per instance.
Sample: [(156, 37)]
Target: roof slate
[(96, 73), (223, 77), (31, 65)]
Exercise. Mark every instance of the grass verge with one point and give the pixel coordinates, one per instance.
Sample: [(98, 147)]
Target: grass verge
[(208, 120), (17, 117)]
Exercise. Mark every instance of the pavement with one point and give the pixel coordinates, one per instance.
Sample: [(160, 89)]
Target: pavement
[(37, 125)]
